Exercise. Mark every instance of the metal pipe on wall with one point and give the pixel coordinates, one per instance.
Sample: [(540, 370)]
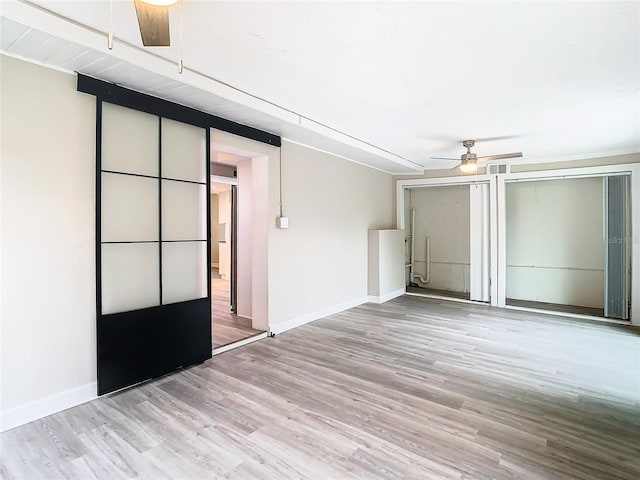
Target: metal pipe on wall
[(412, 253), (414, 276)]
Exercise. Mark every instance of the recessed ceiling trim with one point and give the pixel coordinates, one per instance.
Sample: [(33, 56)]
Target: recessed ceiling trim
[(326, 131), (288, 140), (43, 20)]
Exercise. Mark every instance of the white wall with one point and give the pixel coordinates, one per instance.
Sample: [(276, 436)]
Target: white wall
[(224, 243), (442, 213), (319, 264), (555, 248), (215, 230), (48, 258), (244, 238), (320, 261)]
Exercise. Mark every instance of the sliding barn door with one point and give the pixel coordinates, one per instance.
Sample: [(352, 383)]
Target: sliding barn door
[(153, 285)]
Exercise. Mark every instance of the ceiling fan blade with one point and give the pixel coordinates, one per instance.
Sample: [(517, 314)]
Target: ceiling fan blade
[(496, 139), (445, 158), (500, 157), (456, 167), (154, 24)]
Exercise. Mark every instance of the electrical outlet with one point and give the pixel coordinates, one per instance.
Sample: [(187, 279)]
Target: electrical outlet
[(283, 222)]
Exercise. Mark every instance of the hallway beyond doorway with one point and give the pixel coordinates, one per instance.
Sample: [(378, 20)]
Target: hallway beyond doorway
[(226, 327)]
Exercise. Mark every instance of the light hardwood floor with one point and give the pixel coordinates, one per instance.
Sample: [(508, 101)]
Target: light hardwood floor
[(552, 307), (442, 293), (411, 389), (594, 312), (226, 327)]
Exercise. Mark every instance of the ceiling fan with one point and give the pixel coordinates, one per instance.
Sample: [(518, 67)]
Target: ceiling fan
[(469, 161), (153, 20)]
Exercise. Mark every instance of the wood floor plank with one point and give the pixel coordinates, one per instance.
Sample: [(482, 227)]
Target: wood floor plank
[(413, 388), (226, 327)]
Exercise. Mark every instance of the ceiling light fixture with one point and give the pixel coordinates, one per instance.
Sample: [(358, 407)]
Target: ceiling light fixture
[(161, 3), (468, 166), (469, 161)]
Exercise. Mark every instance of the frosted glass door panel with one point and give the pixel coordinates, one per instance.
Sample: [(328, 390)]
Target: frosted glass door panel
[(129, 208), (183, 151), (129, 140), (184, 271), (184, 211), (129, 277)]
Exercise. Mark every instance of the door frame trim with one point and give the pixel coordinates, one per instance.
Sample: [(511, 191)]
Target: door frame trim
[(483, 179), (498, 218)]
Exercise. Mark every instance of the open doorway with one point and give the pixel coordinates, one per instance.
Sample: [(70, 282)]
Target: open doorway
[(447, 241), (437, 243), (567, 245), (231, 220)]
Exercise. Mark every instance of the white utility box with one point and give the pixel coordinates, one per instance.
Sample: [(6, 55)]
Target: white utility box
[(386, 265)]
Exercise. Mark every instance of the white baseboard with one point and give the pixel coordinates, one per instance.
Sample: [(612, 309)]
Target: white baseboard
[(387, 296), (281, 327), (43, 407)]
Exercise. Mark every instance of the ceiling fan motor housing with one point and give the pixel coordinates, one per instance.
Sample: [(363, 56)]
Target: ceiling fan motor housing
[(468, 157)]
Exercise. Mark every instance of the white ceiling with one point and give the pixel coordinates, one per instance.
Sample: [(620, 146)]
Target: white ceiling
[(395, 82)]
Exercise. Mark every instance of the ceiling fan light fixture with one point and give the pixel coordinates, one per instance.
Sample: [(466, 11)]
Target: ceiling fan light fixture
[(468, 167), (160, 3), (469, 160)]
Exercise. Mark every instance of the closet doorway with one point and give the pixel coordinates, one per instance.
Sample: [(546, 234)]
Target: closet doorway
[(447, 244), (568, 245)]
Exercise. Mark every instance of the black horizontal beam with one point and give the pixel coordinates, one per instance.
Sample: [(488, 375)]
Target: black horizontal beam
[(127, 242), (112, 93)]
